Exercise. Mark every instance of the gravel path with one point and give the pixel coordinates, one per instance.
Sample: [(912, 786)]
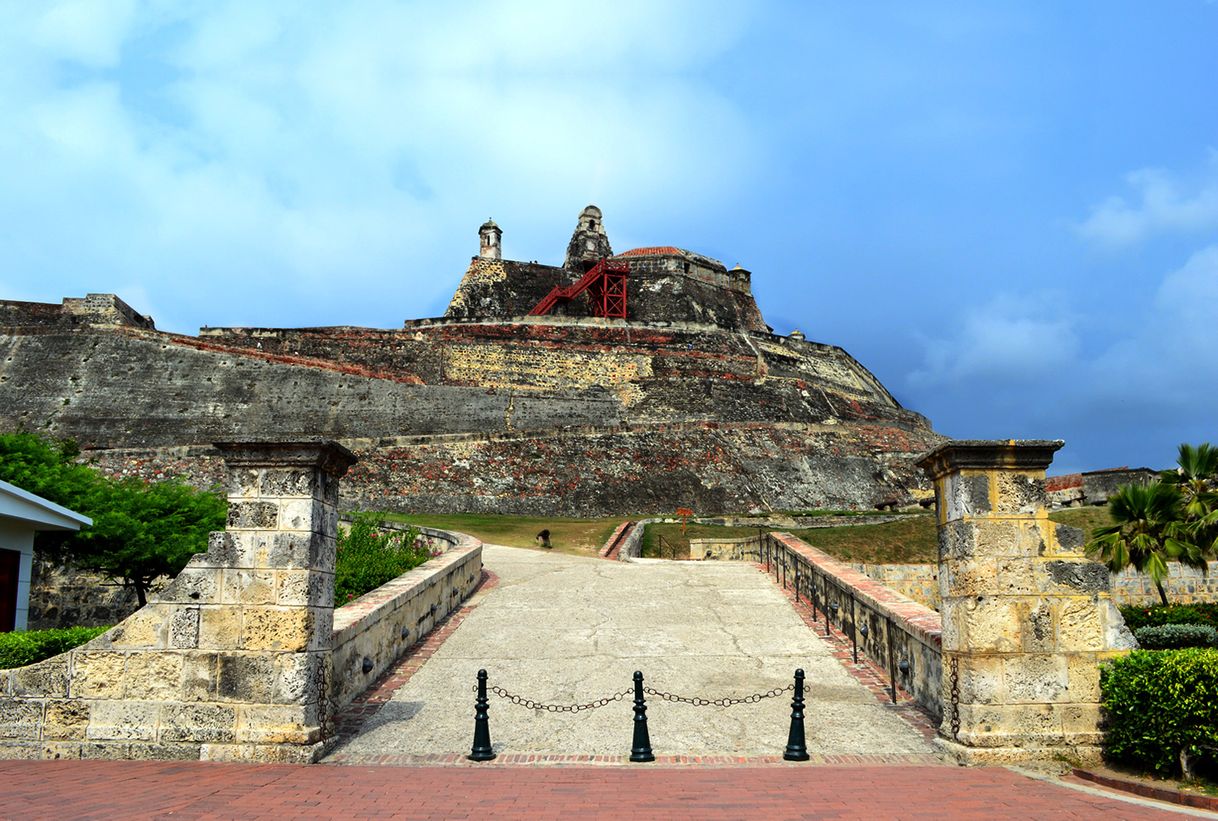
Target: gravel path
[(563, 629)]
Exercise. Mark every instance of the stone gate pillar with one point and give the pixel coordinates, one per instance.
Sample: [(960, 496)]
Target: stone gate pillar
[(1027, 618), (273, 626)]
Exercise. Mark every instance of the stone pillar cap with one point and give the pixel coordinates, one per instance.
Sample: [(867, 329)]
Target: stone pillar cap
[(324, 454), (989, 454)]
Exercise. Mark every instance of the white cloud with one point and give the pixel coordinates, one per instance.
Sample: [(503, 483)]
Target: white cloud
[(90, 32), (250, 155), (1020, 368), (1161, 203), (1170, 353), (1011, 339)]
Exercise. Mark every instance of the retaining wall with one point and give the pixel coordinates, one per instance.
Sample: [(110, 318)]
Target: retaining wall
[(373, 631)]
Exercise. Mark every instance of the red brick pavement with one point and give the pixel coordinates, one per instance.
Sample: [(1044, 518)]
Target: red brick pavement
[(203, 790)]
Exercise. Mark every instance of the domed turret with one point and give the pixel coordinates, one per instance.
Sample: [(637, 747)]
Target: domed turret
[(488, 241)]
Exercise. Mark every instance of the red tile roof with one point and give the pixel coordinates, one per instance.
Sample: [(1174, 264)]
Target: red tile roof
[(653, 251)]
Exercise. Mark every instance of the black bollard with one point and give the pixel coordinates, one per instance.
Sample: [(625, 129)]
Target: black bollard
[(797, 749), (641, 751), (482, 729)]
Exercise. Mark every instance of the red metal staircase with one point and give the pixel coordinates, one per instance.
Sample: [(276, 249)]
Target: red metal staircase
[(606, 282)]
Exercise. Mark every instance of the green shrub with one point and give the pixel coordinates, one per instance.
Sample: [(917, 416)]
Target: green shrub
[(1176, 636), (1204, 613), (369, 556), (1162, 706), (24, 647)]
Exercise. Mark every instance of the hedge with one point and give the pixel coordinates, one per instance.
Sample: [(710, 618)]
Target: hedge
[(1176, 636), (1204, 613), (1162, 709), (369, 556), (24, 647)]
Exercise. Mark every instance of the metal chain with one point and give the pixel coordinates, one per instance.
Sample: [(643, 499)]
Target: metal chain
[(955, 695), (719, 702), (558, 708)]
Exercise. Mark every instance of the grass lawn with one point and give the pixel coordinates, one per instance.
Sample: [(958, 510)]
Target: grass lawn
[(577, 536), (1088, 518), (909, 540)]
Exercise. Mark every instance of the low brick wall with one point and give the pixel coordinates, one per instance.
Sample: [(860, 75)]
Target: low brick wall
[(898, 628), (373, 631)]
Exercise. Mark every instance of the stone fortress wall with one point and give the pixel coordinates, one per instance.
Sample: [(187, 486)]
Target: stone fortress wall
[(486, 409)]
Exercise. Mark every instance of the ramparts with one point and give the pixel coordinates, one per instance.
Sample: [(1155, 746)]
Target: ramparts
[(543, 415)]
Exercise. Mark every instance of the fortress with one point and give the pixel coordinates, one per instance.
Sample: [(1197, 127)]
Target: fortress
[(624, 383)]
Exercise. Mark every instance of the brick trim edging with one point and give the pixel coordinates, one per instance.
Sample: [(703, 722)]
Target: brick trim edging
[(1136, 787), (555, 760)]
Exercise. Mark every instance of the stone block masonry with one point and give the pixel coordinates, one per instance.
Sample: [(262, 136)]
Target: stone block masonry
[(1027, 619), (234, 660), (371, 632), (476, 415)]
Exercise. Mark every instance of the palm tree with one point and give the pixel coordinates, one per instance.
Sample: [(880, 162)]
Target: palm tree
[(1149, 532), (1197, 481)]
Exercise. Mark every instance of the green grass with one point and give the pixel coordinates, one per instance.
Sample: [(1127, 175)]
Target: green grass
[(577, 536), (1088, 518), (911, 539)]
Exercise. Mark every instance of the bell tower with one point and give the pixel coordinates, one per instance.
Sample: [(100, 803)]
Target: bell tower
[(589, 243)]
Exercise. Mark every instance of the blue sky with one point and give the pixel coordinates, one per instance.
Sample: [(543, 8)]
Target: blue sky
[(1007, 211)]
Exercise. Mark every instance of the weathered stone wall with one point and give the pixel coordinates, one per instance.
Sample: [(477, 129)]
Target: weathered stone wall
[(94, 309), (373, 631), (1094, 487), (1027, 619), (676, 286), (66, 597), (231, 661), (506, 416), (900, 633), (234, 660), (919, 582)]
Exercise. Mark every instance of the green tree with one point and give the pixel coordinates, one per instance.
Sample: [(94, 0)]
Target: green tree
[(1197, 480), (139, 532), (1148, 532)]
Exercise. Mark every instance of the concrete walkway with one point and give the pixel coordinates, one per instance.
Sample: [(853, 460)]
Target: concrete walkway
[(565, 630)]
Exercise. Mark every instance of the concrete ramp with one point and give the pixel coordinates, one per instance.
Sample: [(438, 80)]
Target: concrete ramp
[(564, 630)]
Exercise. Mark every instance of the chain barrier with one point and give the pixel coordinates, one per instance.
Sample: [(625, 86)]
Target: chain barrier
[(695, 701), (955, 696), (558, 708), (719, 702)]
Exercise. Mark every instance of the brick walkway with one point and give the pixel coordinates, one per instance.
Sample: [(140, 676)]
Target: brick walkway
[(200, 790)]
